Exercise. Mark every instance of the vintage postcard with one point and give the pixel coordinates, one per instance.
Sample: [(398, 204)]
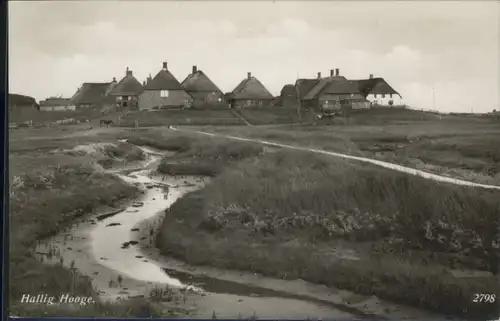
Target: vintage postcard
[(254, 159)]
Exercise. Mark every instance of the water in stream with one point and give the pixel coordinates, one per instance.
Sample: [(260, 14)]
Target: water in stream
[(107, 248)]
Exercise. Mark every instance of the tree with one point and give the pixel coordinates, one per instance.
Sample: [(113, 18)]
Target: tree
[(391, 102)]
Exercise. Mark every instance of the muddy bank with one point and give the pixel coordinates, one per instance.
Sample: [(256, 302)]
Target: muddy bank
[(116, 250), (96, 248), (237, 284)]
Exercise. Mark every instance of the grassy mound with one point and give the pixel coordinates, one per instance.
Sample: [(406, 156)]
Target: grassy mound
[(195, 154)]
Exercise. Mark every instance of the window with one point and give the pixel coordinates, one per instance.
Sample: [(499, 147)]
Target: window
[(164, 93), (374, 95), (390, 95), (119, 98), (383, 95)]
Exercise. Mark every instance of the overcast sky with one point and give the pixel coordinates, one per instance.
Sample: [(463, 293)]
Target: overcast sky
[(451, 46)]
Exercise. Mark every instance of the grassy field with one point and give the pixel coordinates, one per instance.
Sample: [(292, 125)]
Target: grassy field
[(214, 117), (51, 184), (463, 147), (297, 215), (50, 116), (195, 155), (275, 115)]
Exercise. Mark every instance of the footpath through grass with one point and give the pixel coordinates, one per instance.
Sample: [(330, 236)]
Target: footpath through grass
[(358, 227), (466, 148), (48, 191)]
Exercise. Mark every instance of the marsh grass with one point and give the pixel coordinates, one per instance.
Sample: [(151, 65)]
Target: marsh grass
[(196, 154), (45, 198), (213, 117), (457, 146), (284, 213), (120, 154)]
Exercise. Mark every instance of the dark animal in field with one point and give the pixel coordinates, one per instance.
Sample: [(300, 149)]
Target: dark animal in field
[(329, 115), (105, 122)]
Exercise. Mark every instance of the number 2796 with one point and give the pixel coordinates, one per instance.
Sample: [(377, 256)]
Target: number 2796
[(484, 297)]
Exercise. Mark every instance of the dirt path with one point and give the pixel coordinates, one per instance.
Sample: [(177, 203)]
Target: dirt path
[(396, 167)]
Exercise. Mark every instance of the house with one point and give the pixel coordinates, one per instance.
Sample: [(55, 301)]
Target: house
[(57, 104), (203, 91), (126, 92), (163, 91), (333, 92), (288, 97), (95, 95), (20, 103), (378, 92), (250, 93)]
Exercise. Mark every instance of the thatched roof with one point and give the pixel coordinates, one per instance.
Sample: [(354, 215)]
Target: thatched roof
[(198, 81), (251, 88), (332, 85), (305, 85), (129, 85), (93, 93), (374, 86), (289, 91), (21, 100), (164, 80)]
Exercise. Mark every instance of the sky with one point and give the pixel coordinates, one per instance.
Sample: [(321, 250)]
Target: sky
[(416, 46)]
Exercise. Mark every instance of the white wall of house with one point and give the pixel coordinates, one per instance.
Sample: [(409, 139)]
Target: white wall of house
[(57, 108), (383, 100)]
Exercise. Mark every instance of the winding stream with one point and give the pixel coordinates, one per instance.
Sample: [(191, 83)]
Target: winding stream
[(116, 249)]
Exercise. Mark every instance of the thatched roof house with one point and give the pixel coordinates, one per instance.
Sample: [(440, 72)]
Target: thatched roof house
[(288, 97), (203, 90), (163, 91), (378, 91), (251, 93), (333, 92), (92, 94), (127, 90), (18, 102)]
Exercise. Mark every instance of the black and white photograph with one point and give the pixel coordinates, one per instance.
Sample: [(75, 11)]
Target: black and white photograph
[(254, 159)]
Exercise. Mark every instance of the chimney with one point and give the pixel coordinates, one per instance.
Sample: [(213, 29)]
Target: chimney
[(128, 72), (249, 75), (319, 75), (195, 69), (337, 71), (371, 76), (332, 72), (165, 65), (114, 79)]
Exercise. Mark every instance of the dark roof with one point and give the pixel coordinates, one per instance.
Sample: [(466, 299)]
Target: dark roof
[(251, 88), (164, 80), (332, 85), (92, 93), (21, 100), (128, 85), (289, 91), (198, 81), (374, 86), (56, 101), (305, 85)]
